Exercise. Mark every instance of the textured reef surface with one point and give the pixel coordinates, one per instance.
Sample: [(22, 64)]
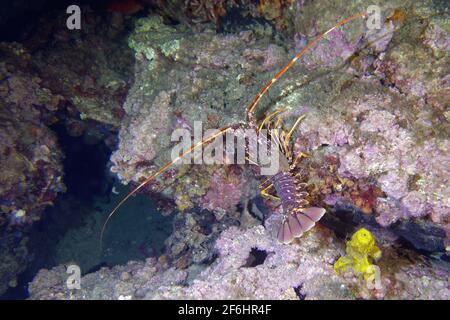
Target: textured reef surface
[(251, 265), (52, 77), (375, 103), (31, 160), (375, 134)]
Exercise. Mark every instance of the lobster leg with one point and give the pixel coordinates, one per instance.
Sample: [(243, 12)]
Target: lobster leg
[(298, 157), (264, 182), (269, 117), (291, 131), (278, 123), (267, 195)]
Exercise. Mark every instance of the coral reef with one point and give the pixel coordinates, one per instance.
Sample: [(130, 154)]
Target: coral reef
[(380, 145), (225, 192), (91, 69), (202, 64), (31, 160), (193, 238), (192, 12), (374, 144), (375, 132), (387, 135), (250, 264), (51, 77)]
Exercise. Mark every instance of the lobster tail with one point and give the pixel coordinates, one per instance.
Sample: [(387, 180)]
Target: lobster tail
[(314, 213), (297, 223)]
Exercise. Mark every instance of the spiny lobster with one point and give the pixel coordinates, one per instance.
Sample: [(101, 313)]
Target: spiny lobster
[(297, 219)]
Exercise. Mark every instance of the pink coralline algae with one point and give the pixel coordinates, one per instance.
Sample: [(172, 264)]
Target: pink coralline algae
[(373, 140), (138, 141), (437, 39), (379, 39), (377, 121), (31, 161), (394, 184), (274, 56), (251, 265), (332, 52), (415, 203), (224, 193), (321, 128)]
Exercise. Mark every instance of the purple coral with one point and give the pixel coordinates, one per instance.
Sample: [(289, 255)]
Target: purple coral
[(329, 54), (415, 204), (223, 193)]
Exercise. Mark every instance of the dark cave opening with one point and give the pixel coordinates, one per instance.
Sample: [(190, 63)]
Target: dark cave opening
[(87, 181), (255, 258), (85, 165), (17, 16), (298, 292), (136, 234)]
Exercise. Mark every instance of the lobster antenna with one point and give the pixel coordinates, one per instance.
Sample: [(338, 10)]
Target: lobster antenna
[(159, 172), (269, 84)]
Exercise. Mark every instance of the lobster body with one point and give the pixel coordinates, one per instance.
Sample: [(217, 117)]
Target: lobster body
[(286, 188), (297, 218)]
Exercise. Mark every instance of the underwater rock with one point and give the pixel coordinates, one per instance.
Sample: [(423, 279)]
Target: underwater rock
[(144, 276), (411, 69), (219, 12), (90, 68), (380, 145), (183, 77), (250, 264), (195, 232), (423, 236), (14, 258), (32, 169), (31, 160), (191, 12), (40, 82), (375, 136), (193, 238), (385, 145), (284, 268), (225, 192)]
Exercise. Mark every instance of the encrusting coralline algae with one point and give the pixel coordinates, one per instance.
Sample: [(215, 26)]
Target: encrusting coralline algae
[(380, 132), (302, 270), (375, 131)]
